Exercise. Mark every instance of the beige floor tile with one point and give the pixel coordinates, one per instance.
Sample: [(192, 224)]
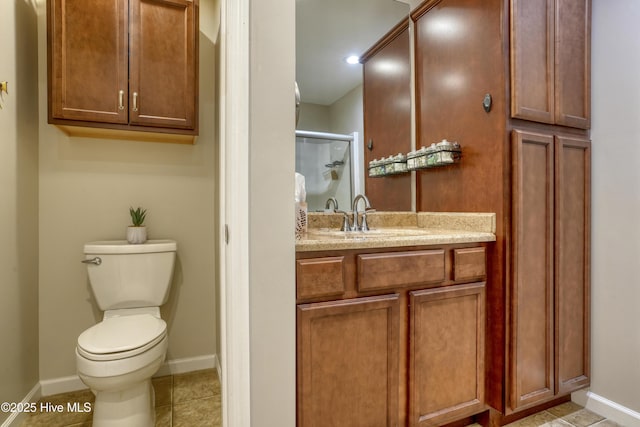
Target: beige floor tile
[(558, 422), (195, 385), (534, 420), (583, 418), (565, 409), (47, 416), (163, 389), (606, 423), (163, 416), (197, 413)]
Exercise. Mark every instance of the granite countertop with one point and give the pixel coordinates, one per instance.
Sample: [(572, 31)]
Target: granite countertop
[(398, 229)]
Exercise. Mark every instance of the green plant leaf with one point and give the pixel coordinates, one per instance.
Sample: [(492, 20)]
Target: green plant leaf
[(137, 216)]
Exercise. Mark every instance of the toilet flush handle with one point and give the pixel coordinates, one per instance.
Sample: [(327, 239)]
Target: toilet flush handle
[(96, 261)]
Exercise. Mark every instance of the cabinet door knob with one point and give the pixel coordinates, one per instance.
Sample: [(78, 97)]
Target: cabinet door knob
[(370, 144), (135, 101), (121, 100)]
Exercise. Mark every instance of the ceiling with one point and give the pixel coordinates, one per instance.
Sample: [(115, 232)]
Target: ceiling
[(327, 31)]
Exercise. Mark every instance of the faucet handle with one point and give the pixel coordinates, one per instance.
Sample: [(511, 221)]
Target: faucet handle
[(346, 224), (365, 226)]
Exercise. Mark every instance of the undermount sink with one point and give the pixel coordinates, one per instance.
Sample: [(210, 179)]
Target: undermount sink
[(372, 233)]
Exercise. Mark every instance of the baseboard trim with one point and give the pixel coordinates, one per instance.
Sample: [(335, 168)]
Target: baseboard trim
[(61, 385), (16, 418), (170, 367), (607, 408), (188, 364)]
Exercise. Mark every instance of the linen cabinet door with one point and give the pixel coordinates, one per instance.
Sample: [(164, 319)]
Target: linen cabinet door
[(572, 283), (531, 323), (550, 61), (573, 63), (446, 354), (88, 68), (347, 362), (163, 57), (532, 60)]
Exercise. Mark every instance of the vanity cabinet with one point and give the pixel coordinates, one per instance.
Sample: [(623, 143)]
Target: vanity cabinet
[(446, 354), (124, 64), (390, 337), (550, 283), (387, 115), (348, 362), (528, 57), (550, 61)]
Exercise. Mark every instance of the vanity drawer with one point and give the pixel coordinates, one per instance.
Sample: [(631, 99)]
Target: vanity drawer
[(391, 270), (320, 277), (469, 264)]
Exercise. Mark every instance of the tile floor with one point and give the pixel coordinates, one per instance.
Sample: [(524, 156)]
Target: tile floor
[(565, 415), (193, 400), (185, 400)]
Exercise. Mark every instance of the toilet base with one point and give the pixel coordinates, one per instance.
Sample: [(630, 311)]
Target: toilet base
[(132, 407)]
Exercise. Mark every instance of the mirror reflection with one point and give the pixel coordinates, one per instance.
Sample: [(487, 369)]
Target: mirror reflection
[(329, 141)]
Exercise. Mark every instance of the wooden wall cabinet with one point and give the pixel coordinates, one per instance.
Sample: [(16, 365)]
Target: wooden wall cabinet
[(387, 115), (390, 338), (550, 285), (124, 64), (550, 61)]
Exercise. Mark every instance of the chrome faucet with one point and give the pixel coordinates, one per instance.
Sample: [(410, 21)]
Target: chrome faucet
[(331, 200), (356, 226), (346, 224)]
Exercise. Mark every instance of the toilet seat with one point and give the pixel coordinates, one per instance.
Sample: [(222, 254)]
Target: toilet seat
[(121, 337)]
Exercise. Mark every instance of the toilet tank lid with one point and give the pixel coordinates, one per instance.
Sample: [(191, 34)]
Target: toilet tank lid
[(123, 247)]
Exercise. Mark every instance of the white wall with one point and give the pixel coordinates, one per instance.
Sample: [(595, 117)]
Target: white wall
[(616, 202), (86, 188), (271, 217), (314, 117), (18, 203), (347, 116)]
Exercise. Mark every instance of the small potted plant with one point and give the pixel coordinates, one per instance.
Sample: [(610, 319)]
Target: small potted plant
[(137, 233)]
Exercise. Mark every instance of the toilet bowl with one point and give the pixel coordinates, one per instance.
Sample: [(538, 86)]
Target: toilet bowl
[(117, 357)]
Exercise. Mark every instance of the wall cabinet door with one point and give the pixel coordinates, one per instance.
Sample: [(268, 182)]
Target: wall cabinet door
[(121, 64), (446, 354), (549, 313), (88, 66), (347, 369), (387, 116), (163, 63), (550, 61)]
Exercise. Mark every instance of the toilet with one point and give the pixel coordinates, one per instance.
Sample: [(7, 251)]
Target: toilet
[(117, 357)]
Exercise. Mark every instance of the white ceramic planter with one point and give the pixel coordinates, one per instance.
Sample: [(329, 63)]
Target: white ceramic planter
[(136, 235)]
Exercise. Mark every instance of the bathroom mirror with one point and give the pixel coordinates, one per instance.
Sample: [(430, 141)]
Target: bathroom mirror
[(329, 141)]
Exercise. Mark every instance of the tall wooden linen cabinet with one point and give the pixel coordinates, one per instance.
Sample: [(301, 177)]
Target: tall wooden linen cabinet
[(124, 64), (509, 80)]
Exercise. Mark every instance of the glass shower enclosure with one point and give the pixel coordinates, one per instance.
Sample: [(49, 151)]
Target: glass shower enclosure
[(332, 166)]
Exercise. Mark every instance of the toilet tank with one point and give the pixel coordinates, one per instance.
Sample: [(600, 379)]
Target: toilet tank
[(130, 276)]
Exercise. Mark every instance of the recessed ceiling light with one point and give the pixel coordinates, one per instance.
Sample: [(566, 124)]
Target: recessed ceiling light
[(353, 59)]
